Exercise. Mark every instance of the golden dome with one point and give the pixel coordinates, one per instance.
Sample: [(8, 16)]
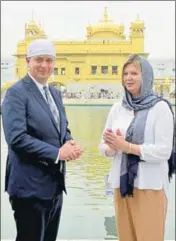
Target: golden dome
[(107, 26)]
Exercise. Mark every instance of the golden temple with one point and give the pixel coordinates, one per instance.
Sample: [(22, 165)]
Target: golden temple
[(96, 61), (98, 58)]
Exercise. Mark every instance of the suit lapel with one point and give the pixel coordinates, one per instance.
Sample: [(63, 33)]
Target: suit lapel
[(36, 92)]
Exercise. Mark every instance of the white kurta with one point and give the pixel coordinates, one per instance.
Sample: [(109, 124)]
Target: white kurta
[(155, 151)]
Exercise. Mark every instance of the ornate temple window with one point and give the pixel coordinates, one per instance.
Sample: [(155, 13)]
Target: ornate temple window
[(93, 70), (76, 71), (55, 71), (62, 71), (104, 69), (114, 70)]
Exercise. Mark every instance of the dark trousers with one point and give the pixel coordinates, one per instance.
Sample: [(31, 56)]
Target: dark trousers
[(37, 220)]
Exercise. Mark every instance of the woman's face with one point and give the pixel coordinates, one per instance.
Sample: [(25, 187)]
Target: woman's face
[(132, 77)]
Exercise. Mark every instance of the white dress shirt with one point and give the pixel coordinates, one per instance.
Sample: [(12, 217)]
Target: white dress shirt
[(40, 87), (155, 151)]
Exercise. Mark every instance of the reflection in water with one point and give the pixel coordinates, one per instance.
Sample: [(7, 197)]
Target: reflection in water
[(110, 226), (87, 128), (87, 173), (88, 213)]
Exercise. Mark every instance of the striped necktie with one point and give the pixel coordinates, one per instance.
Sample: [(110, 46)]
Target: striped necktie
[(52, 107)]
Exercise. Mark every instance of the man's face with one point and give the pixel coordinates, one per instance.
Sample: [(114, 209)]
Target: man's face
[(41, 67)]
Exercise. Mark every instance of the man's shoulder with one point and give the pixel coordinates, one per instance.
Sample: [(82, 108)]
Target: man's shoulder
[(54, 89), (18, 86)]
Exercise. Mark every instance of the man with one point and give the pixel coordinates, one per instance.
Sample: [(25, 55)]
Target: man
[(39, 140)]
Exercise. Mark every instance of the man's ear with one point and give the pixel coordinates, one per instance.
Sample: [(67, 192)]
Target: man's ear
[(27, 60)]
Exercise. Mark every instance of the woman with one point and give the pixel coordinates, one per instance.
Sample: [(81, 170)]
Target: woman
[(139, 136)]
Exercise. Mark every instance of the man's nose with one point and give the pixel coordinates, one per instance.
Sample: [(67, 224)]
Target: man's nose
[(44, 64)]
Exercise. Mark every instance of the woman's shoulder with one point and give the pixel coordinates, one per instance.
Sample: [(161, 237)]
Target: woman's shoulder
[(116, 109), (162, 104), (161, 107), (116, 106)]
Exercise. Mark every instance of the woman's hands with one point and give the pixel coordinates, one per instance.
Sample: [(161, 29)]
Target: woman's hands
[(115, 141)]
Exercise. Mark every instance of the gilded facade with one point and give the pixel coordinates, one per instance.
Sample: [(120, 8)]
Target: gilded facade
[(96, 60)]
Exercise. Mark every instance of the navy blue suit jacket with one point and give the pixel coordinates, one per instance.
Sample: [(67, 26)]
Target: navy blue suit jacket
[(33, 141)]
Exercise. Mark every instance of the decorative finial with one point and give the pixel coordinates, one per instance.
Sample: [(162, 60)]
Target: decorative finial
[(32, 15), (105, 15), (137, 19)]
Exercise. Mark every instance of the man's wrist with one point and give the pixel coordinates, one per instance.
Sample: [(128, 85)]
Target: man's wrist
[(71, 141), (57, 159)]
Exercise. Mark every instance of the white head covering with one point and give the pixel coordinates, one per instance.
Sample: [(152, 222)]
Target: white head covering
[(41, 47)]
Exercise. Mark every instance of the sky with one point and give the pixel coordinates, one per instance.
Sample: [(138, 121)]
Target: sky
[(65, 20)]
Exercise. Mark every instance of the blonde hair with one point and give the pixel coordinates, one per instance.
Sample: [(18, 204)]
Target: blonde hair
[(132, 59)]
